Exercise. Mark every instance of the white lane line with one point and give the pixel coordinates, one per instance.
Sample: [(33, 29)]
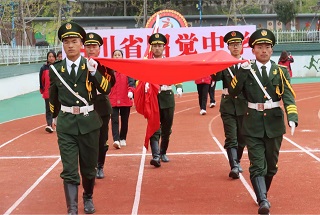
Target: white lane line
[(242, 179), (137, 195), (302, 149), (16, 204), (17, 137)]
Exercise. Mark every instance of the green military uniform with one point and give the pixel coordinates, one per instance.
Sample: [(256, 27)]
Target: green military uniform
[(166, 107), (232, 109), (78, 124), (263, 124), (102, 105)]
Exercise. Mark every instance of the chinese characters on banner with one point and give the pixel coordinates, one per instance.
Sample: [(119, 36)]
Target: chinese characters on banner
[(181, 41)]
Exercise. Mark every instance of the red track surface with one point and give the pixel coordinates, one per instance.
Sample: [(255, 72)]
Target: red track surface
[(195, 181)]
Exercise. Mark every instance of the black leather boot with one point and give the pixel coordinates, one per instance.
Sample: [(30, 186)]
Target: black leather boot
[(233, 161), (259, 186), (100, 173), (240, 153), (71, 193), (155, 161), (88, 185), (163, 150), (268, 180)]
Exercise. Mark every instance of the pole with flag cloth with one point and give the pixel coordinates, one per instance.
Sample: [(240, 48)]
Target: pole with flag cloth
[(146, 101)]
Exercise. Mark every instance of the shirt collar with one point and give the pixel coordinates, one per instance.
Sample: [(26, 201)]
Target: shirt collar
[(77, 62), (268, 65)]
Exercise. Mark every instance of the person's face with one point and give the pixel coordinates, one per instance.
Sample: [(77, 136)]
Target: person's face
[(92, 50), (72, 47), (117, 54), (51, 58), (235, 49), (59, 56), (157, 50), (262, 52)]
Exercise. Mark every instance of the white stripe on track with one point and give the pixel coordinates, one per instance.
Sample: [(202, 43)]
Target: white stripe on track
[(302, 149), (16, 204)]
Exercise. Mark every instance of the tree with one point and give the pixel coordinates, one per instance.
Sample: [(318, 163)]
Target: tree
[(285, 10)]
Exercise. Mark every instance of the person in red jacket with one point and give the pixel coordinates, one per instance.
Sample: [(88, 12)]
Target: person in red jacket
[(44, 81), (286, 59), (203, 85), (121, 99)]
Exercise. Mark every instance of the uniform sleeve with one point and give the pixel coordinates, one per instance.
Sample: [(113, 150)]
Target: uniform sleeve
[(237, 82), (288, 97), (102, 82), (217, 76), (53, 94)]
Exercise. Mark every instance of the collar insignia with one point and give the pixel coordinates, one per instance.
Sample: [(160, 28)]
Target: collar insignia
[(63, 69)]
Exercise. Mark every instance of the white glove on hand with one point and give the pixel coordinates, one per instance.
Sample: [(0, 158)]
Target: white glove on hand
[(246, 65), (146, 87), (130, 95), (92, 65), (212, 84), (179, 92), (293, 126)]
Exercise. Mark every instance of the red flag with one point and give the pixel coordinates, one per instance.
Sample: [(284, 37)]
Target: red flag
[(147, 105), (168, 71)]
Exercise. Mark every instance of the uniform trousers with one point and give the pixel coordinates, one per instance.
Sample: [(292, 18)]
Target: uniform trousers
[(232, 130), (75, 150), (104, 133), (263, 155)]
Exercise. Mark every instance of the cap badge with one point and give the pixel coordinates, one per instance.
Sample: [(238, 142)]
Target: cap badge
[(264, 33), (233, 34), (91, 36), (68, 26), (156, 36)]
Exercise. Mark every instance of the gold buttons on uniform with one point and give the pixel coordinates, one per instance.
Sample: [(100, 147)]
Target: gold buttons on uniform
[(265, 114), (264, 97), (236, 97), (77, 102), (265, 88), (75, 85), (77, 93)]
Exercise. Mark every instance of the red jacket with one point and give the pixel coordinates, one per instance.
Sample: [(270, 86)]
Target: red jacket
[(119, 92), (44, 81), (204, 80), (287, 63)]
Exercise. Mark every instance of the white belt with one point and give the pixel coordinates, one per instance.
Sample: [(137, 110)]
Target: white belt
[(225, 91), (263, 106), (77, 109), (165, 88)]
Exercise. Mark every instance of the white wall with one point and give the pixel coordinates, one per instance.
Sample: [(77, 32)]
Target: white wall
[(18, 85)]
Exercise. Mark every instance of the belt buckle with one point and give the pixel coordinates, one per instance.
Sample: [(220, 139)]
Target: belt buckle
[(75, 109), (260, 106)]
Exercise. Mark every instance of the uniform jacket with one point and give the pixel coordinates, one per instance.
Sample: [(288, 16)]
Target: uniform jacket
[(166, 98), (101, 101), (44, 81), (59, 94), (119, 93), (235, 105), (269, 121)]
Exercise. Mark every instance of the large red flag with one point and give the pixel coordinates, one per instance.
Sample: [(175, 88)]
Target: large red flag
[(168, 71)]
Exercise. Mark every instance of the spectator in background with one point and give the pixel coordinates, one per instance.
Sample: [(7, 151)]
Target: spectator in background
[(212, 90), (203, 85), (59, 55), (44, 81), (286, 59), (121, 96)]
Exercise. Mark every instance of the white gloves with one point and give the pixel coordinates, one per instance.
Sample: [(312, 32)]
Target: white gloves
[(146, 87), (92, 65), (54, 121), (293, 126), (179, 92), (212, 84), (130, 95), (246, 65)]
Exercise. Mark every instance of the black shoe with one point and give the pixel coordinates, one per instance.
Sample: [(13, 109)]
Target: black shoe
[(88, 204), (164, 158), (155, 162), (100, 173), (234, 173), (264, 207), (240, 168)]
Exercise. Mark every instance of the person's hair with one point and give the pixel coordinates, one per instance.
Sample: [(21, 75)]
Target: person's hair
[(59, 52), (53, 53), (284, 56), (118, 51)]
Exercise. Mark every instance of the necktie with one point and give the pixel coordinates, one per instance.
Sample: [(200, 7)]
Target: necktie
[(264, 75), (73, 72)]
